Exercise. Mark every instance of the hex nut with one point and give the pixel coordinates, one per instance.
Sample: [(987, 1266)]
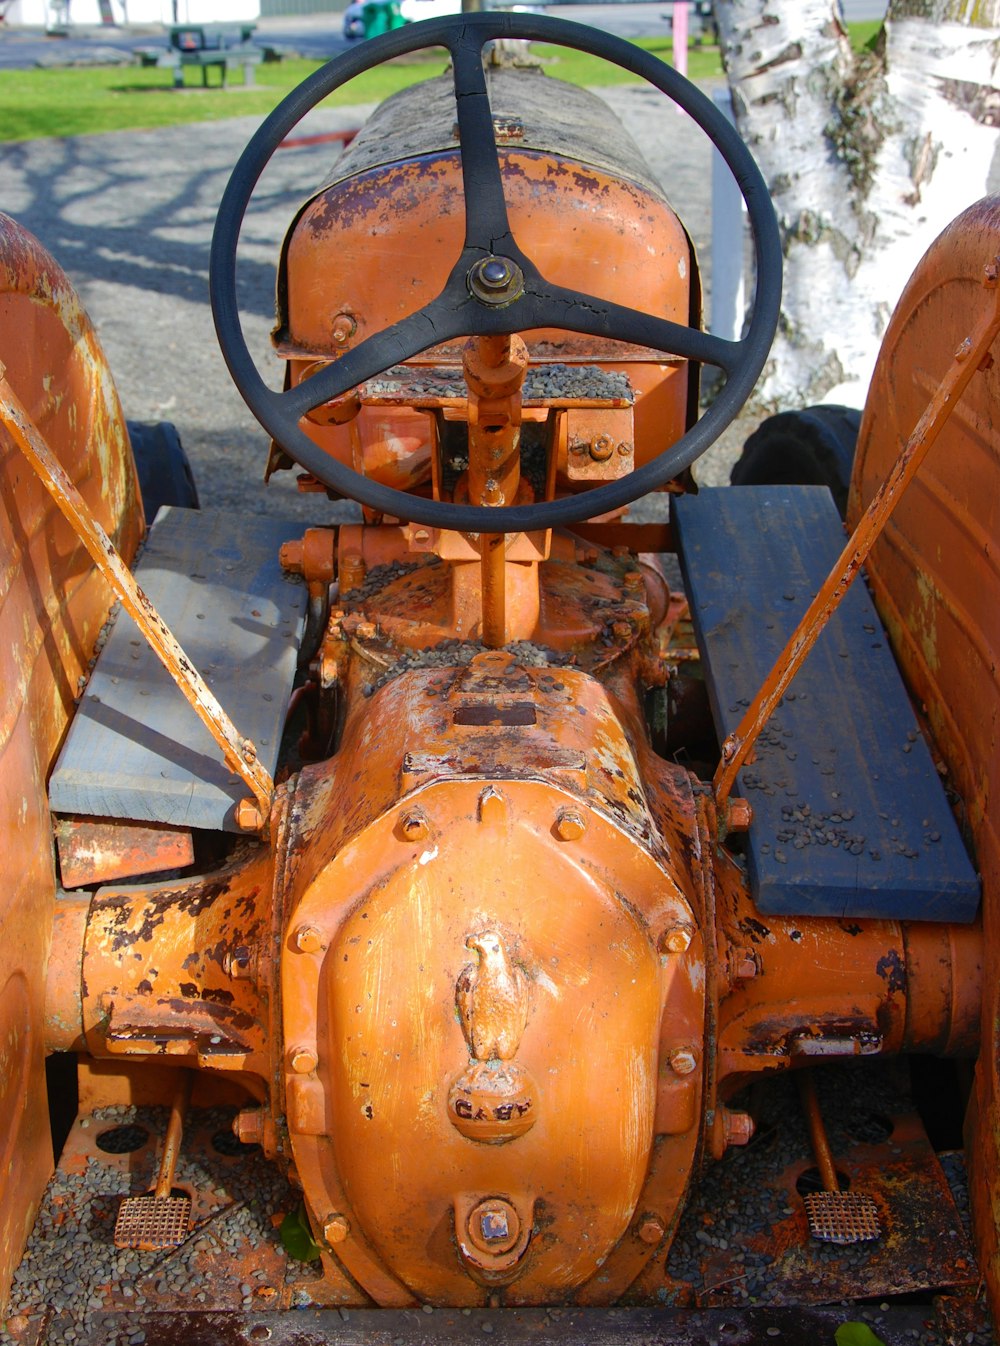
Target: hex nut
[(248, 816), (651, 1229), (739, 1127), (683, 1060), (739, 815), (677, 940), (308, 939), (570, 825), (601, 448), (304, 1060), (248, 1126), (336, 1229)]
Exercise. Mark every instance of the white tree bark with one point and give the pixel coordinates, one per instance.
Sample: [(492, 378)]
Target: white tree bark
[(867, 159)]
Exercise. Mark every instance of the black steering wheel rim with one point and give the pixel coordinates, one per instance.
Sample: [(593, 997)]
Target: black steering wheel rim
[(465, 37)]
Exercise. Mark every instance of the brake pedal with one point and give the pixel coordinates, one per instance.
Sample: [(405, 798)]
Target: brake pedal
[(158, 1220), (834, 1216)]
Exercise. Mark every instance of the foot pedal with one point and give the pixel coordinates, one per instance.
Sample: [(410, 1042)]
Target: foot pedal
[(152, 1223), (842, 1217), (159, 1219)]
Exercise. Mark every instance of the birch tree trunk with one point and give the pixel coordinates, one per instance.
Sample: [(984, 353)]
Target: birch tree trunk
[(867, 158)]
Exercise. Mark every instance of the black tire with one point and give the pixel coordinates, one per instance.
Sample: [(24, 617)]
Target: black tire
[(165, 476), (813, 447)]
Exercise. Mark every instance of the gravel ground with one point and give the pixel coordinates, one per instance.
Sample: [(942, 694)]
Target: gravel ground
[(129, 216)]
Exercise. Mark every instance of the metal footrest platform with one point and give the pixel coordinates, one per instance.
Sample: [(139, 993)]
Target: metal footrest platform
[(849, 815), (136, 750)]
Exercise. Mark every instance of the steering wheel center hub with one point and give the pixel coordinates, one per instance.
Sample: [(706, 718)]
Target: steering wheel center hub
[(496, 281)]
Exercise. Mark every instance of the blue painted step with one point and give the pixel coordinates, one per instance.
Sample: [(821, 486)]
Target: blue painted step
[(135, 748), (849, 815)]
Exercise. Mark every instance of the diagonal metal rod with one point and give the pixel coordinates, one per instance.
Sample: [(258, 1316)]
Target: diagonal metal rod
[(967, 359), (240, 754)]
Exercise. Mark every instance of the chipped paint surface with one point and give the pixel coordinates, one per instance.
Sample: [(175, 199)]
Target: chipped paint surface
[(52, 607)]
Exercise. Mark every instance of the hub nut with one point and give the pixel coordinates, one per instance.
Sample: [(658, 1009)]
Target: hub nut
[(496, 281)]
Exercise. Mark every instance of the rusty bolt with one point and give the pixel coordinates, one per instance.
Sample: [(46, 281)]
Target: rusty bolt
[(352, 571), (991, 272), (249, 751), (601, 448), (651, 1229), (964, 350), (494, 1226), (579, 446), (366, 630), (634, 582), (344, 327), (624, 448), (738, 1127), (308, 939), (622, 632), (492, 494), (291, 556), (248, 816), (304, 1060), (570, 825), (336, 1228), (248, 1126), (739, 815), (422, 535), (677, 940), (414, 826), (683, 1060), (742, 964), (237, 963)]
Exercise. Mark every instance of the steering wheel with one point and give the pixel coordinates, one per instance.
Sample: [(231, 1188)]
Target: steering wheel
[(494, 288)]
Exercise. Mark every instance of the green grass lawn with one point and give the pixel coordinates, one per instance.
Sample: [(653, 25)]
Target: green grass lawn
[(70, 101)]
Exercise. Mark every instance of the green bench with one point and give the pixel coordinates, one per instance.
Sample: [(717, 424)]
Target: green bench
[(227, 46)]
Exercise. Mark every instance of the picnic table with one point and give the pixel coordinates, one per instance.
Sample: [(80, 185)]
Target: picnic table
[(228, 46)]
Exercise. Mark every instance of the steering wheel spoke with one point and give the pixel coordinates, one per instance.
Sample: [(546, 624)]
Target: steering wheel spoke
[(579, 312), (436, 322), (486, 224)]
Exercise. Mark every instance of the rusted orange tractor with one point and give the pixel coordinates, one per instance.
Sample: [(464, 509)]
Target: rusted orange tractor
[(495, 873)]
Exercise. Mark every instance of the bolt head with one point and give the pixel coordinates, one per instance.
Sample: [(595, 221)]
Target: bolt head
[(677, 940), (414, 826), (248, 1126), (494, 1226), (651, 1229), (683, 1061), (570, 825), (739, 1127), (743, 964), (739, 814), (495, 272), (248, 815), (336, 1229), (343, 328), (601, 448), (308, 939), (304, 1060)]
